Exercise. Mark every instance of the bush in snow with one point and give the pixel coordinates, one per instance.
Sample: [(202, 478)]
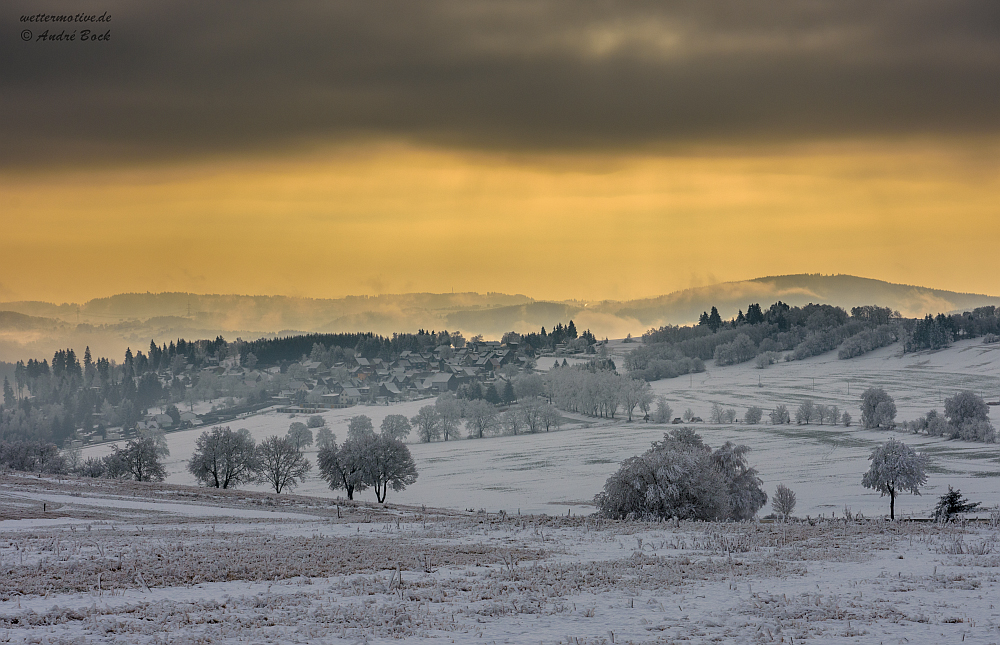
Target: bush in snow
[(682, 477), (753, 415)]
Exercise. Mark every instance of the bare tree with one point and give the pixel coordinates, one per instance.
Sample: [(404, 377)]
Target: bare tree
[(224, 458), (895, 468), (141, 459), (344, 467), (281, 464), (387, 463)]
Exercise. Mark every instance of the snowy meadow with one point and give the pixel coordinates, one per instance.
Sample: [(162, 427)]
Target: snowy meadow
[(495, 542)]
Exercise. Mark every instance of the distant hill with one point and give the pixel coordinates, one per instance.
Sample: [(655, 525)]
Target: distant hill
[(108, 325)]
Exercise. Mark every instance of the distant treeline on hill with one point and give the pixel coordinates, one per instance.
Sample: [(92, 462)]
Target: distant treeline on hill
[(798, 333)]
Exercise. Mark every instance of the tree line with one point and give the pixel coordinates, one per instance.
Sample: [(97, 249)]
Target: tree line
[(795, 333)]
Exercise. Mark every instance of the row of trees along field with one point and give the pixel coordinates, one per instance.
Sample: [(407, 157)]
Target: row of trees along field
[(226, 458), (793, 333)]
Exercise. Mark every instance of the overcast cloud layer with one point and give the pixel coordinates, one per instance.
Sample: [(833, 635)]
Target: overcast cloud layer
[(184, 79)]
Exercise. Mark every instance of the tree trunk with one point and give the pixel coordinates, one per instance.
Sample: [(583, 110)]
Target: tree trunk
[(892, 504)]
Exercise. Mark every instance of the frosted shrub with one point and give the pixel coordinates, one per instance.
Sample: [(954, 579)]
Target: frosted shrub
[(779, 415), (663, 412), (753, 415), (682, 477)]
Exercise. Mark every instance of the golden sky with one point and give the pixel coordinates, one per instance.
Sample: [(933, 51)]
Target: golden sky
[(521, 147)]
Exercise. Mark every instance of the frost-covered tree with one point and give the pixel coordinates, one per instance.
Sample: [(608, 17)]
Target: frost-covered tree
[(753, 415), (968, 415), (783, 502), (360, 426), (532, 413), (224, 458), (316, 421), (688, 415), (281, 464), (396, 426), (325, 437), (663, 412), (481, 419), (427, 421), (805, 412), (551, 417), (715, 415), (511, 422), (779, 415), (645, 401), (633, 391), (300, 435), (821, 413), (895, 468), (449, 415), (681, 477), (746, 496), (878, 410), (846, 419)]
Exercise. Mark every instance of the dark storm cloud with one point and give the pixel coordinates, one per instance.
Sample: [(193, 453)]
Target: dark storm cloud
[(192, 78)]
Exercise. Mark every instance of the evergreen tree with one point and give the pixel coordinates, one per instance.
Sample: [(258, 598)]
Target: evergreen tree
[(508, 391), (8, 394), (571, 330), (952, 503), (714, 320), (88, 365)]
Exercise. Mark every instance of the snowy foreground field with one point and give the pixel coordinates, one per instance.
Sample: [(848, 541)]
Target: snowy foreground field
[(113, 562)]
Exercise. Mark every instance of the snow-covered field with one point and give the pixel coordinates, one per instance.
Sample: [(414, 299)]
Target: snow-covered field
[(560, 472), (121, 562), (494, 542)]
